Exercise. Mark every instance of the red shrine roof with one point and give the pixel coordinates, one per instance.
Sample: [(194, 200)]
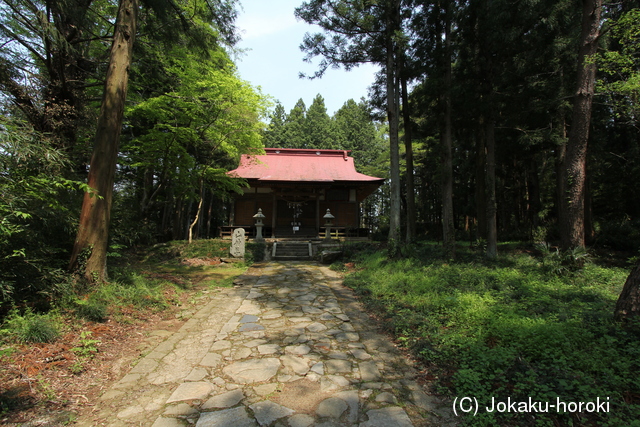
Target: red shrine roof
[(289, 164)]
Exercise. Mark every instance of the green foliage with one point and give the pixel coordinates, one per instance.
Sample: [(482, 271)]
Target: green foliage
[(358, 131), (352, 127), (31, 327), (508, 328), (563, 262), (256, 251), (178, 249), (131, 288), (87, 347), (623, 234), (85, 350), (36, 213), (620, 65), (187, 130), (338, 266), (90, 309)]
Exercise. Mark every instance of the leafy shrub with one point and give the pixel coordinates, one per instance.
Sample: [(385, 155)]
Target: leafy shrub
[(87, 347), (619, 234), (337, 266), (561, 262), (32, 327), (351, 249), (38, 212), (95, 311), (255, 252), (177, 249)]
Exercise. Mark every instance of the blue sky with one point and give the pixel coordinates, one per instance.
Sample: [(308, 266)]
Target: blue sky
[(272, 36)]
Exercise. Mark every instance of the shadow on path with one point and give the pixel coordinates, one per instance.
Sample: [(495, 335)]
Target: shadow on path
[(287, 346)]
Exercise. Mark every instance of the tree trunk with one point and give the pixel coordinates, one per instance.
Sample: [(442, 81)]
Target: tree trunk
[(176, 227), (628, 305), (198, 211), (195, 220), (574, 169), (492, 208), (209, 213), (93, 230), (186, 217), (448, 225), (560, 152), (589, 230), (533, 194), (481, 190), (392, 114), (408, 144)]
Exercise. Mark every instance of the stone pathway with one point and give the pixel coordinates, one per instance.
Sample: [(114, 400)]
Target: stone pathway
[(289, 346)]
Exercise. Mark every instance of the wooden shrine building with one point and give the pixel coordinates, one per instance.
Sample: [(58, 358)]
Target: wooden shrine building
[(295, 187)]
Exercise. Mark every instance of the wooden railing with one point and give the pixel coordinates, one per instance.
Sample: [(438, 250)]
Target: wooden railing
[(344, 232), (226, 231)]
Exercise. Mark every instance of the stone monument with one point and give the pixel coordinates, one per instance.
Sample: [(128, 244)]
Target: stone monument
[(237, 243)]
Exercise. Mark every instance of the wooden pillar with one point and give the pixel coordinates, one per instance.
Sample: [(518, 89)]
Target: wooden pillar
[(274, 215), (318, 214), (255, 202)]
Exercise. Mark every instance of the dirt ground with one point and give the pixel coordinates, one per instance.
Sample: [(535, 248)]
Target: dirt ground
[(49, 384)]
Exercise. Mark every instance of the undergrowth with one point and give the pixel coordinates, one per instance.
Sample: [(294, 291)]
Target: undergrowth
[(31, 327), (521, 327), (146, 281)]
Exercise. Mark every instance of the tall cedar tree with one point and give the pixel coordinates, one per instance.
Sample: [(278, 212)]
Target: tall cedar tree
[(93, 230), (362, 32), (446, 137), (573, 178)]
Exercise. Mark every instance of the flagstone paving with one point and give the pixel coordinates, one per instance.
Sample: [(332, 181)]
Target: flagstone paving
[(287, 346)]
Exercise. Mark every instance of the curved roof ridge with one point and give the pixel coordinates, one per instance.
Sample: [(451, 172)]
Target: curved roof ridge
[(310, 165)]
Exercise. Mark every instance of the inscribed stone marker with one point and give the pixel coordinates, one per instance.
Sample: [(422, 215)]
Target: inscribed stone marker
[(237, 243)]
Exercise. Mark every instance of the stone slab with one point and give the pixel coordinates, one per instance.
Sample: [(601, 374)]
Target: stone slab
[(332, 407), (235, 417), (251, 371), (224, 400), (267, 412), (369, 371), (386, 417), (191, 391)]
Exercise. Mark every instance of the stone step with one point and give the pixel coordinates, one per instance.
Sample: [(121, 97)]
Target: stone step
[(291, 250), (290, 258)]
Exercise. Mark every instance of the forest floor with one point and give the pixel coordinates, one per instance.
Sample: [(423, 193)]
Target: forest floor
[(48, 384)]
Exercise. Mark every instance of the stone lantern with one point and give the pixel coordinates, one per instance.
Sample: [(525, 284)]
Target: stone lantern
[(259, 224), (327, 224)]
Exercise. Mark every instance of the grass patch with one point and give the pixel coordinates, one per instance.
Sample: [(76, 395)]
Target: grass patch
[(177, 250), (31, 327), (510, 329), (149, 280), (162, 273)]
